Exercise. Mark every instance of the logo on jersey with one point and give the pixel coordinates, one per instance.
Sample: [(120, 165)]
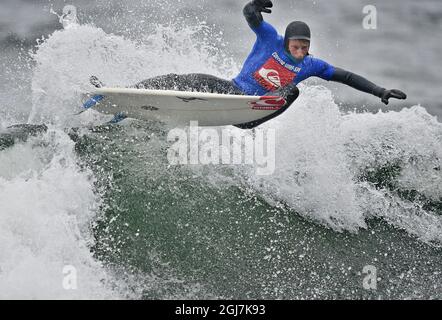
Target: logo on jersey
[(268, 103), (272, 75)]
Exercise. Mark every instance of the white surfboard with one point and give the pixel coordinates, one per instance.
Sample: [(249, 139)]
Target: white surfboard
[(181, 107)]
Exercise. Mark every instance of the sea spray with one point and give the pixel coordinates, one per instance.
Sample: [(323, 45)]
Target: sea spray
[(47, 206)]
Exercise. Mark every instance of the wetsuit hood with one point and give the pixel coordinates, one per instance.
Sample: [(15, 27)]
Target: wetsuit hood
[(296, 30)]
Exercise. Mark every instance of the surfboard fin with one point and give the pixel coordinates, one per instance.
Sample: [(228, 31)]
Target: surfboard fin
[(118, 117), (91, 102), (96, 98)]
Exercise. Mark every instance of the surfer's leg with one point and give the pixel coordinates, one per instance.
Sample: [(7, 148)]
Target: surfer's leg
[(207, 83), (190, 82), (290, 94), (163, 82)]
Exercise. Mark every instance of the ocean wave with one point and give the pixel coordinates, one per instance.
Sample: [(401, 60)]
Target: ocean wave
[(342, 169)]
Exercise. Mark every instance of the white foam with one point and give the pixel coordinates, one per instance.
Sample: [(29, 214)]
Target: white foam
[(47, 203), (321, 154), (47, 206)]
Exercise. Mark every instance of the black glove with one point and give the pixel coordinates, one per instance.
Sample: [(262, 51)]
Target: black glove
[(263, 5), (285, 91), (393, 93)]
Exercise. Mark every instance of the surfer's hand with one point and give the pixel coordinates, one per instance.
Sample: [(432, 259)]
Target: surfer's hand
[(289, 92), (393, 93), (263, 5)]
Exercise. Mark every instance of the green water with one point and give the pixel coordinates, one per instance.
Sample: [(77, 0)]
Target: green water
[(173, 234)]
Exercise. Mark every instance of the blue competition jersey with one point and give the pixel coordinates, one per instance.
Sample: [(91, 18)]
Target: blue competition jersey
[(269, 66)]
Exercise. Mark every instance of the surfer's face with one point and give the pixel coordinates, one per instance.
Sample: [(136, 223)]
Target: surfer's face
[(299, 48)]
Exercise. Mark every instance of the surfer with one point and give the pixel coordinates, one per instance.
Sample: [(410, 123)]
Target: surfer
[(275, 66)]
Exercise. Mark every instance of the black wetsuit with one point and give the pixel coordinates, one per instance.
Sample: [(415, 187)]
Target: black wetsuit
[(190, 82)]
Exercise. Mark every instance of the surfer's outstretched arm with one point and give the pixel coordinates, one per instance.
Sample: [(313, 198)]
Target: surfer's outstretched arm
[(264, 31), (360, 83), (253, 12)]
